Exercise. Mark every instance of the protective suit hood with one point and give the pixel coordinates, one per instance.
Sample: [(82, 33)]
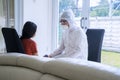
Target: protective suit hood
[(69, 16)]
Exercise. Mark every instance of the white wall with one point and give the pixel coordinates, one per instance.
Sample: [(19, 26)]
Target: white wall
[(40, 11)]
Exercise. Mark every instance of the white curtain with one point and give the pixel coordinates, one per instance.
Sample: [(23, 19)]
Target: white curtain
[(2, 16), (1, 7), (2, 24)]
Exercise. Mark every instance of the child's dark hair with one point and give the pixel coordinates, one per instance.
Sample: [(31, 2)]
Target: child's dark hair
[(29, 30)]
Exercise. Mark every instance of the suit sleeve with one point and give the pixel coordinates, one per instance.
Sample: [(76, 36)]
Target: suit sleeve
[(59, 50), (79, 45)]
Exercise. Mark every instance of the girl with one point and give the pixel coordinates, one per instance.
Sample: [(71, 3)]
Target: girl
[(29, 30)]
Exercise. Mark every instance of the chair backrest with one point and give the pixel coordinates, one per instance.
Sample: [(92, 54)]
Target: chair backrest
[(12, 40), (95, 39)]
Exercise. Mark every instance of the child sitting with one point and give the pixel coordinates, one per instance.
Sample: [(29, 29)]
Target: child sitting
[(29, 30)]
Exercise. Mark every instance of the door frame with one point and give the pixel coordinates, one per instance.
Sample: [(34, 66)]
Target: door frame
[(85, 23), (18, 11)]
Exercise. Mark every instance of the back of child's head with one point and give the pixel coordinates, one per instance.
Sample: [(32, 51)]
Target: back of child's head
[(29, 29)]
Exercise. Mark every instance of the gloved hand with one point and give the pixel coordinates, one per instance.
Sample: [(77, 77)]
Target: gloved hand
[(45, 56)]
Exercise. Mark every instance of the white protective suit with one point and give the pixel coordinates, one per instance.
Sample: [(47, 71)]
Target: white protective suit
[(74, 41)]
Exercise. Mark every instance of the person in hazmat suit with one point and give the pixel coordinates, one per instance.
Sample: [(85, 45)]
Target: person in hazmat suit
[(74, 40)]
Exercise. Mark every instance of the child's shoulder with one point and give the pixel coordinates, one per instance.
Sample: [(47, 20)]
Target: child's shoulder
[(27, 40)]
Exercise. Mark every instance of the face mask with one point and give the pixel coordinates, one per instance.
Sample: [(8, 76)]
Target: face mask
[(65, 27)]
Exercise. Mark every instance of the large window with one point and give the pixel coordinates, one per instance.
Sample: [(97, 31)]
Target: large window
[(106, 15), (103, 14)]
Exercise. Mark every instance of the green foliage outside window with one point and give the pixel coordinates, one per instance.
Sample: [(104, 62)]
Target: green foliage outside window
[(72, 4), (101, 10)]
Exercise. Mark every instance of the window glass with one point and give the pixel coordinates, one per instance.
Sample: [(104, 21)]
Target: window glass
[(106, 14)]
